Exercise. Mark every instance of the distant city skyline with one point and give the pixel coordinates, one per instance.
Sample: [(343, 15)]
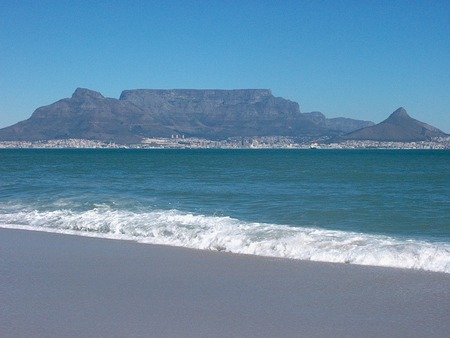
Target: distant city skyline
[(356, 59)]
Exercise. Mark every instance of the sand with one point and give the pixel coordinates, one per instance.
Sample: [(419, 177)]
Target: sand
[(54, 285)]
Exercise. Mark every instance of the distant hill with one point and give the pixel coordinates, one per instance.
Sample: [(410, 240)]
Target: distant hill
[(212, 114), (398, 127)]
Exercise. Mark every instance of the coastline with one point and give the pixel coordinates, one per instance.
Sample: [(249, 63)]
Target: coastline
[(57, 285), (264, 142)]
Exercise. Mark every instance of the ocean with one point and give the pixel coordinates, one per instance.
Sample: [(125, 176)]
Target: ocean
[(371, 207)]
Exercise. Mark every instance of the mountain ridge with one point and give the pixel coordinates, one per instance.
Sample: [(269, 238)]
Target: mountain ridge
[(204, 113)]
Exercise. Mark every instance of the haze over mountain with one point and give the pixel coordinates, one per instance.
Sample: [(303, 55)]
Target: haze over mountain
[(399, 126), (212, 114)]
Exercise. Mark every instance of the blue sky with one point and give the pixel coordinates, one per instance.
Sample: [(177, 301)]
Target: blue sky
[(360, 59)]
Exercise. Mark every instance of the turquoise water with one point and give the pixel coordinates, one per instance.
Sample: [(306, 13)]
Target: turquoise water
[(376, 207)]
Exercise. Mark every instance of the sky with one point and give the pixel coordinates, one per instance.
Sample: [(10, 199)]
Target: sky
[(361, 59)]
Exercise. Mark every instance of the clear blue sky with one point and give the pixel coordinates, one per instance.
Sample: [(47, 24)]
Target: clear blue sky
[(361, 59)]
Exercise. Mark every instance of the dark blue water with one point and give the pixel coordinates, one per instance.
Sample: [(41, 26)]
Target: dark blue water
[(334, 205)]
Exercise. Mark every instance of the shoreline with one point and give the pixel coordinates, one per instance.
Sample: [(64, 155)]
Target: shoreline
[(67, 232), (57, 285), (244, 142)]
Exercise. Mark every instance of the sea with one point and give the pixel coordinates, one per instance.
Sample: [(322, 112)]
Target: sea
[(371, 207)]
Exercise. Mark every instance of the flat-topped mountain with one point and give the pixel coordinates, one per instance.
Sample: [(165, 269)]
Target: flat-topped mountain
[(212, 114), (398, 127)]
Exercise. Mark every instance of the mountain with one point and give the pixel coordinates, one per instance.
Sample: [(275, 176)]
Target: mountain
[(337, 125), (398, 127), (212, 114)]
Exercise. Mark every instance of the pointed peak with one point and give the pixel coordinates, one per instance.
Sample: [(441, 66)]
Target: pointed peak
[(399, 116), (400, 112), (84, 92)]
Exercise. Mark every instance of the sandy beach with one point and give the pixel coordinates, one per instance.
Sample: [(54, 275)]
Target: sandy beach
[(54, 285)]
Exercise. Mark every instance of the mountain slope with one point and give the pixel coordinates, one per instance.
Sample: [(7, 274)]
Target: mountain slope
[(399, 126), (213, 114)]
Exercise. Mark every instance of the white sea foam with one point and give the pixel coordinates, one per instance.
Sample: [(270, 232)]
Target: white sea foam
[(227, 234)]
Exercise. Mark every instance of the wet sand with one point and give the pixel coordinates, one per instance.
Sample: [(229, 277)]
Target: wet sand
[(54, 285)]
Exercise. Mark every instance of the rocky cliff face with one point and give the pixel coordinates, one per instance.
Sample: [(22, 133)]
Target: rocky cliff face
[(221, 113), (212, 114), (398, 127)]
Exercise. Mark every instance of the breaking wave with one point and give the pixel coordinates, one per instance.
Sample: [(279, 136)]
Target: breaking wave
[(175, 228)]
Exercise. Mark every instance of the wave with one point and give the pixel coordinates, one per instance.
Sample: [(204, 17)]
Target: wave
[(175, 228)]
